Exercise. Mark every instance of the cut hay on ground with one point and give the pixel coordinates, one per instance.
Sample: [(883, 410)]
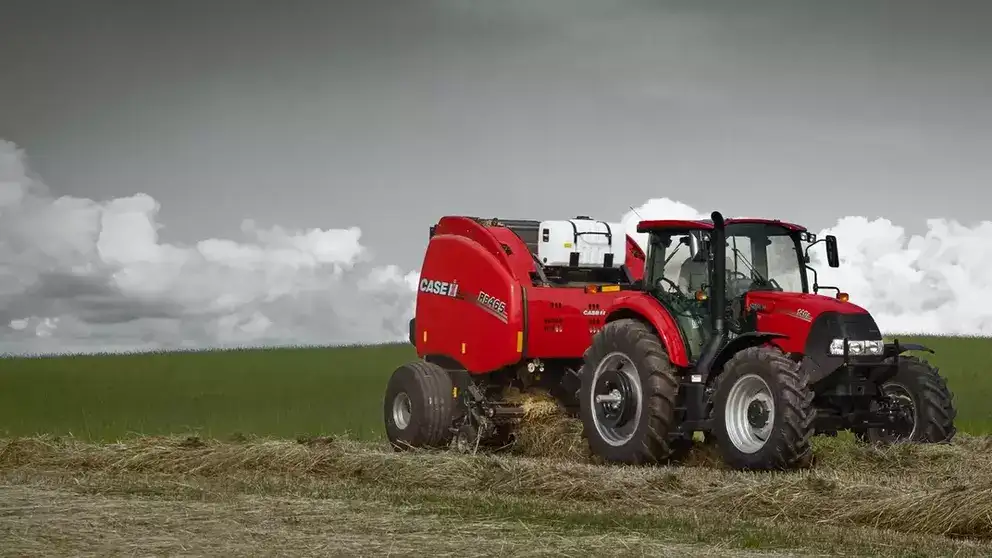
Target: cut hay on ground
[(545, 430), (936, 490)]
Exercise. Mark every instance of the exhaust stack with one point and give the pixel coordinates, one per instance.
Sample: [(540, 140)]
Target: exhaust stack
[(718, 240)]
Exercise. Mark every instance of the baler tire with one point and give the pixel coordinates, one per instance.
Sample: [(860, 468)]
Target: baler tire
[(924, 384), (788, 445), (657, 388), (429, 389)]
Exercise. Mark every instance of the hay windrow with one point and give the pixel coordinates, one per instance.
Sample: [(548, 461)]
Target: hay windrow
[(949, 494), (546, 430)]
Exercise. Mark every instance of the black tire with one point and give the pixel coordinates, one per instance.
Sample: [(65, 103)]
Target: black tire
[(932, 402), (787, 443), (652, 390), (428, 389)]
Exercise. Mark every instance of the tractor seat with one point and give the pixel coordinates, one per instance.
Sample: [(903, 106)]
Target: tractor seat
[(693, 275)]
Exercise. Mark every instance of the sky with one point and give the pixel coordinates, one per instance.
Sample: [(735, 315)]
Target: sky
[(364, 122)]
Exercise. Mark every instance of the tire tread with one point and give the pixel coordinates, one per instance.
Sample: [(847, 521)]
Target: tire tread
[(795, 414), (433, 426), (939, 409), (659, 389)]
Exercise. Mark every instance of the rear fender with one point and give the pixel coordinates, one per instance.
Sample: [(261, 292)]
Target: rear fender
[(741, 342), (650, 311)]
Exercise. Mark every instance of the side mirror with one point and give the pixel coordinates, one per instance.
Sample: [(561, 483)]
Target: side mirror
[(833, 260)]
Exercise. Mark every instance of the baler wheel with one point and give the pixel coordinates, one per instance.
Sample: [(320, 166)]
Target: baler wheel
[(763, 412), (627, 395), (923, 392), (419, 406)]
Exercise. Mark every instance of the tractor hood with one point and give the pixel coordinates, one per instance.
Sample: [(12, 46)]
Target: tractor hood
[(801, 305), (810, 323)]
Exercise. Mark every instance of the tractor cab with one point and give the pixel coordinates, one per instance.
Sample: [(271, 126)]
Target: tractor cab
[(678, 272), (760, 255)]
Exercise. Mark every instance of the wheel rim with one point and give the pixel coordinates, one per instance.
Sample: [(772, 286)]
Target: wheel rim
[(402, 410), (898, 396), (750, 413), (616, 399)]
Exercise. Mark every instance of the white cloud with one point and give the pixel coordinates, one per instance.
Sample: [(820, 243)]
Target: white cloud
[(79, 274)]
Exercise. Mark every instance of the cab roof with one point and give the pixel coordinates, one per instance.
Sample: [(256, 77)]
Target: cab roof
[(707, 224)]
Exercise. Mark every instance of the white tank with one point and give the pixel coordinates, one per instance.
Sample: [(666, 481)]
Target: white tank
[(581, 242)]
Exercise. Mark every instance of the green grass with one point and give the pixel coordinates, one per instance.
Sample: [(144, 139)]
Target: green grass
[(271, 392), (291, 392)]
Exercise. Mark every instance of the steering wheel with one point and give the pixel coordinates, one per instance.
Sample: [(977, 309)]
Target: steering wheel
[(674, 288), (680, 301), (756, 280), (743, 275)]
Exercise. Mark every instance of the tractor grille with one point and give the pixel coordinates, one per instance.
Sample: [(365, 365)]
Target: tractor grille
[(833, 325)]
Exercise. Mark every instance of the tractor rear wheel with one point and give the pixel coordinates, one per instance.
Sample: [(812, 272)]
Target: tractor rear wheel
[(763, 411), (627, 395), (920, 391), (419, 406)]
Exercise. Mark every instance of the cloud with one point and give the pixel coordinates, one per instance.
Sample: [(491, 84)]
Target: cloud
[(80, 275)]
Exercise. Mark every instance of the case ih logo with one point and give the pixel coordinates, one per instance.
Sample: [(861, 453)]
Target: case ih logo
[(804, 314), (484, 300), (442, 288), (590, 312)]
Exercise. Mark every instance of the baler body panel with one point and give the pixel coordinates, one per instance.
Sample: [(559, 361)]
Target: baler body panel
[(469, 228), (518, 257), (479, 322), (562, 320), (635, 259), (480, 303)]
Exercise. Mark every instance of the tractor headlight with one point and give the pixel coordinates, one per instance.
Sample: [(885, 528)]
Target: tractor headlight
[(856, 348)]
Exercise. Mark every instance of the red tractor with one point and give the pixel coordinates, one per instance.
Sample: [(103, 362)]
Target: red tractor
[(717, 329)]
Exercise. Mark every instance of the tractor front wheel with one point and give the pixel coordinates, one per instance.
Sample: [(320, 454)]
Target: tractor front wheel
[(627, 395), (922, 394), (419, 406), (763, 412)]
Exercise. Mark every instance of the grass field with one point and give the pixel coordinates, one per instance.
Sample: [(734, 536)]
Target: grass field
[(240, 453), (292, 392)]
